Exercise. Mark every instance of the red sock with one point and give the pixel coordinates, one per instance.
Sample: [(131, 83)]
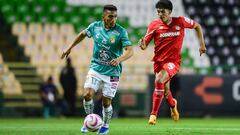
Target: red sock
[(169, 99), (157, 98)]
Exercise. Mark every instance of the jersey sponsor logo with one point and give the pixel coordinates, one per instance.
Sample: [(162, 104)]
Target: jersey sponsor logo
[(103, 62), (101, 38), (161, 27), (188, 20), (104, 55), (177, 27), (104, 46), (114, 79), (171, 66), (170, 34), (116, 32)]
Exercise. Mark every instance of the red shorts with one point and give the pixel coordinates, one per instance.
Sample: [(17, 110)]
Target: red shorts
[(171, 67)]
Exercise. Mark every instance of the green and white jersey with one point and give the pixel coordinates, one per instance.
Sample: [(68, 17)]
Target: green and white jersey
[(108, 45)]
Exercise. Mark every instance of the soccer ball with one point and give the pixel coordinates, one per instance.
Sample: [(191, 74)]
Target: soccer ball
[(93, 122)]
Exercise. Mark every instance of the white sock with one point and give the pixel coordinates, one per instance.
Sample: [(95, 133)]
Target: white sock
[(107, 115), (88, 106)]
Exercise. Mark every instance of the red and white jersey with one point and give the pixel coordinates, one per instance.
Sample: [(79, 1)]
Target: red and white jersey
[(168, 39)]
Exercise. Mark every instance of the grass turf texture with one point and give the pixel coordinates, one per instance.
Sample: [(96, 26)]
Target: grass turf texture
[(126, 126)]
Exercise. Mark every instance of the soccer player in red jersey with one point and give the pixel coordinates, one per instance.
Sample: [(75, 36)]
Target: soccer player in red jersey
[(168, 34)]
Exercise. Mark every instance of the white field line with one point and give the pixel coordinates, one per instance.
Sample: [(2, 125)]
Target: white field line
[(212, 129)]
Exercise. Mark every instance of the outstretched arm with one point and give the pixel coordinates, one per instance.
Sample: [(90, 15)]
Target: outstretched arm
[(198, 29), (78, 39), (128, 52), (144, 41)]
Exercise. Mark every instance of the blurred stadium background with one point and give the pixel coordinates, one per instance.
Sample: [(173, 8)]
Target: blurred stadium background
[(33, 34)]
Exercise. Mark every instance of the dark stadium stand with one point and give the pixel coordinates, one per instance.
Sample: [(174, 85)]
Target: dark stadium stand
[(221, 23)]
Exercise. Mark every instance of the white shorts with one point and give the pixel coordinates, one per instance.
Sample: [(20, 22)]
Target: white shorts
[(97, 81)]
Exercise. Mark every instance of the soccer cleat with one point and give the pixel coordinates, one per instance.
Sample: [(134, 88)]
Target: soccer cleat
[(174, 112), (152, 120), (103, 130), (84, 129)]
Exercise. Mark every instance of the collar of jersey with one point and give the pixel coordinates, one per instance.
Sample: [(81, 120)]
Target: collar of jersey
[(106, 28)]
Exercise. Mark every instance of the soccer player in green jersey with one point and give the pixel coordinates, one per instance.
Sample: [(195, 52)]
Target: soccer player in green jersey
[(111, 48)]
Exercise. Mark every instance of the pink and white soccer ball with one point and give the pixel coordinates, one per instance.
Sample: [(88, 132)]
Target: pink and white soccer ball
[(93, 122)]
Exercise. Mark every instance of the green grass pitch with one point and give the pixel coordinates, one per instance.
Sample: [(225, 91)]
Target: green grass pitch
[(123, 126)]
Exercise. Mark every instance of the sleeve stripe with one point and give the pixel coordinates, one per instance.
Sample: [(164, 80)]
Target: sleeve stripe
[(149, 33)]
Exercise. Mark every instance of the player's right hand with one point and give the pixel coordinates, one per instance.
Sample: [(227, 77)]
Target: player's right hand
[(142, 44), (65, 53)]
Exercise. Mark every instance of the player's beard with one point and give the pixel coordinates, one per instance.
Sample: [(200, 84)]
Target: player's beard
[(110, 24)]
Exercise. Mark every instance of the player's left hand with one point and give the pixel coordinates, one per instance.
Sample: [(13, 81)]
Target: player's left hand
[(202, 50), (114, 62)]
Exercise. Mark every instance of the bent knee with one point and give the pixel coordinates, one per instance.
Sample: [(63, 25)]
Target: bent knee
[(88, 94)]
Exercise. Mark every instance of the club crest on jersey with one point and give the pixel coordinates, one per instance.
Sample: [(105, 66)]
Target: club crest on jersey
[(171, 66), (177, 27), (112, 40)]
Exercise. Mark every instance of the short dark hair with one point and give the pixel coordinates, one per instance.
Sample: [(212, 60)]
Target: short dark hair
[(165, 4), (109, 7)]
